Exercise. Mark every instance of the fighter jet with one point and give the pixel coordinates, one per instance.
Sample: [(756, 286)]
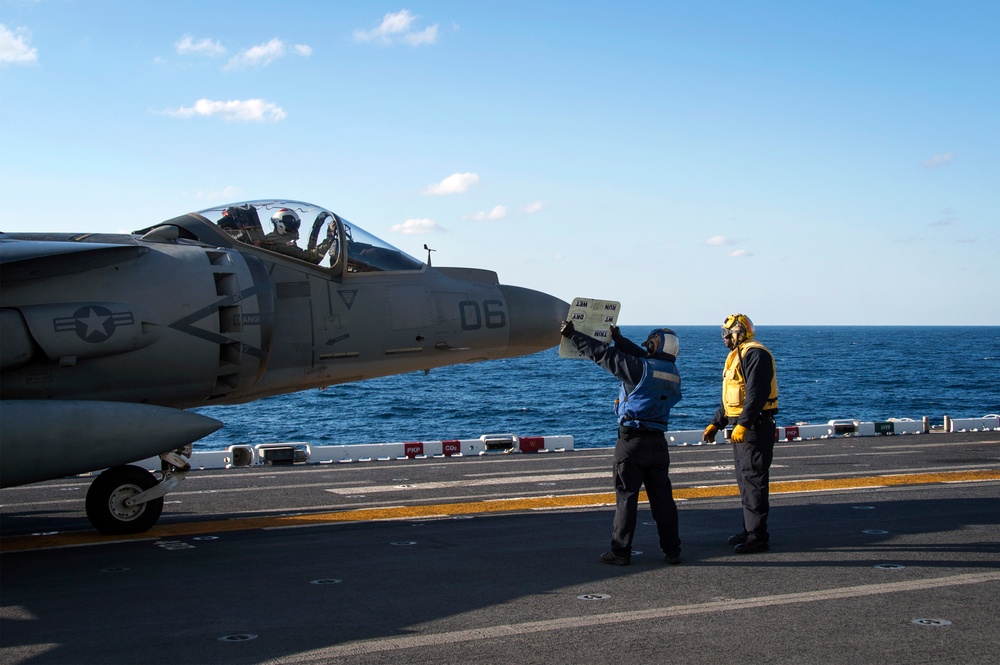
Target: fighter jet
[(107, 339)]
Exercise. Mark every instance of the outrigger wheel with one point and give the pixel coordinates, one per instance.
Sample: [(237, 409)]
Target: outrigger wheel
[(108, 506)]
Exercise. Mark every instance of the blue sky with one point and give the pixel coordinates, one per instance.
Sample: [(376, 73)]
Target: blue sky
[(826, 163)]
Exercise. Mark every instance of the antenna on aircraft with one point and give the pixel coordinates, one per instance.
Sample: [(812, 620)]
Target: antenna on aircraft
[(429, 250)]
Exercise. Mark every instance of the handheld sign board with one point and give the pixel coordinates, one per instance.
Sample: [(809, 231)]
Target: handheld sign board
[(593, 318)]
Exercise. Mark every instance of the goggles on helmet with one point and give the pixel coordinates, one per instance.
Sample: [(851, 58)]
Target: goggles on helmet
[(738, 325)]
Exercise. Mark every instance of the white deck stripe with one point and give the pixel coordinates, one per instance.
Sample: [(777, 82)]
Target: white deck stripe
[(567, 623), (509, 480)]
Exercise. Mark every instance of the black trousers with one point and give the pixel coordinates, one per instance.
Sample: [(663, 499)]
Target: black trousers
[(641, 458), (752, 460)]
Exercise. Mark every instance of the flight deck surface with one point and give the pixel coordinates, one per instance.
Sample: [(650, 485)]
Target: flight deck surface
[(883, 549)]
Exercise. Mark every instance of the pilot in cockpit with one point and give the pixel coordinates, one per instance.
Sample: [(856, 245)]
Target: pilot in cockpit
[(282, 239)]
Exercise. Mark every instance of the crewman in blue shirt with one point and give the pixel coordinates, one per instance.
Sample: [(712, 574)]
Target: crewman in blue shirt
[(651, 386)]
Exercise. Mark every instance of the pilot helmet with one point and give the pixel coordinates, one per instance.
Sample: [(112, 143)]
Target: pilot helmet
[(739, 326), (662, 340), (286, 222)]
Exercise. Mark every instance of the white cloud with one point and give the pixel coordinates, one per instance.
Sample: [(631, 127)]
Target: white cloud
[(946, 217), (245, 110), (719, 241), (498, 212), (532, 207), (230, 193), (15, 47), (739, 253), (257, 56), (398, 27), (456, 183), (303, 50), (425, 36), (416, 227), (937, 161), (945, 221), (186, 45)]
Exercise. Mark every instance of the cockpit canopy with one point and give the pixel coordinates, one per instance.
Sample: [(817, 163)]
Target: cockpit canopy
[(331, 241)]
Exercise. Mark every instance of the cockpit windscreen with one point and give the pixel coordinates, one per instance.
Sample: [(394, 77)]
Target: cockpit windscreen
[(309, 233)]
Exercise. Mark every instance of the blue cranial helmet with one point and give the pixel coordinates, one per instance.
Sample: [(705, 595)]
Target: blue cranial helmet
[(662, 340)]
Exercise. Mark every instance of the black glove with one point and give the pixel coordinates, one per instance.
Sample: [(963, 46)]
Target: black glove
[(566, 329), (616, 333)]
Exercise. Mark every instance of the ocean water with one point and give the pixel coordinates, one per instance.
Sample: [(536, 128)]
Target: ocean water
[(824, 373)]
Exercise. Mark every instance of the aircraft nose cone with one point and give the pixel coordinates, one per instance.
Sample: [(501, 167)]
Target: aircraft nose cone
[(534, 319)]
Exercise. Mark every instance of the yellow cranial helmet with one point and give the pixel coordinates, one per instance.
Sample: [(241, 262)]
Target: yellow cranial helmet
[(738, 325)]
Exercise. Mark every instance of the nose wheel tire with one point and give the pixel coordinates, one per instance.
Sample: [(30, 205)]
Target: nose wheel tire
[(108, 506)]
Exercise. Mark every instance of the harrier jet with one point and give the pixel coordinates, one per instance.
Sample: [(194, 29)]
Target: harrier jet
[(107, 339)]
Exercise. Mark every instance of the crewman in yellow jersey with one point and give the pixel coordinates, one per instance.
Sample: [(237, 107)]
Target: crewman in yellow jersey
[(749, 404)]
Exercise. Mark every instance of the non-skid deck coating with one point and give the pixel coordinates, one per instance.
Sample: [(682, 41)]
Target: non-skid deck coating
[(884, 549)]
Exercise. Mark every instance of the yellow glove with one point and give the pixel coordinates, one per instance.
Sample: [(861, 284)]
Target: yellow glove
[(739, 432), (709, 434)]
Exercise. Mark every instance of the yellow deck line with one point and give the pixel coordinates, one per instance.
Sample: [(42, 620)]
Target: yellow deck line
[(78, 538)]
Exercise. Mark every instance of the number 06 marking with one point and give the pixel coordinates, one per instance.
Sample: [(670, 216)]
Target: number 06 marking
[(472, 315)]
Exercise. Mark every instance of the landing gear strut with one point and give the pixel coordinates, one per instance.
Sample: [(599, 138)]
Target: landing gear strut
[(108, 501), (129, 499)]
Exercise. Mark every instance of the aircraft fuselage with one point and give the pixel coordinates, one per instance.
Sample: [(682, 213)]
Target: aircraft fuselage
[(197, 312)]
